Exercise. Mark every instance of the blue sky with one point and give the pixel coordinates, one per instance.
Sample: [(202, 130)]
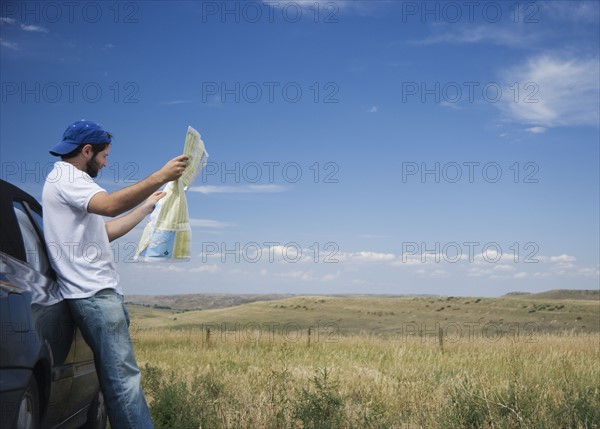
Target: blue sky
[(355, 146)]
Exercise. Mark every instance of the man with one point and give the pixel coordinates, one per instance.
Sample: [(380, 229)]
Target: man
[(74, 206)]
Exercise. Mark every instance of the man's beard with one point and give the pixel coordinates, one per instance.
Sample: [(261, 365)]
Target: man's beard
[(92, 167)]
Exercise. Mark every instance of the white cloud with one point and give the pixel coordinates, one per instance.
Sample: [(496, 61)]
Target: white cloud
[(492, 265), (449, 105), (536, 130), (374, 109), (372, 257), (206, 269), (503, 267), (562, 258), (33, 28), (160, 267), (542, 274), (527, 33), (9, 45), (565, 266), (330, 277), (478, 272), (437, 273), (5, 20), (174, 102), (243, 189), (553, 91), (298, 274), (514, 36), (411, 259), (328, 10), (589, 272), (573, 11), (208, 223)]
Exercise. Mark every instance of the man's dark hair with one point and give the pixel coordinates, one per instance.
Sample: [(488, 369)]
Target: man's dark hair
[(96, 149)]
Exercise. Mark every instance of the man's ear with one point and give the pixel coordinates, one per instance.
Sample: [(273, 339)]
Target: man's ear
[(87, 151)]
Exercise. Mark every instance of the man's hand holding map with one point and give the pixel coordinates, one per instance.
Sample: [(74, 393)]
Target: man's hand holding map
[(167, 236)]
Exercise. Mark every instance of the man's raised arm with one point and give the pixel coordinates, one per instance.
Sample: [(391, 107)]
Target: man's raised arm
[(127, 198)]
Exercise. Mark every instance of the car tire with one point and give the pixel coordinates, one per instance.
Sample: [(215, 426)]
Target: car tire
[(28, 415), (96, 417)]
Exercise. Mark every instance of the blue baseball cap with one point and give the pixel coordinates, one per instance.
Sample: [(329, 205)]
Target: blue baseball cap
[(80, 132)]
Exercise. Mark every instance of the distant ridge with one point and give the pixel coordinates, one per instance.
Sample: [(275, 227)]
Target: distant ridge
[(212, 301), (585, 294), (200, 301)]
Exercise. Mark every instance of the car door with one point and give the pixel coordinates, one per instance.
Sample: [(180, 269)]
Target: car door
[(52, 321), (78, 367), (72, 383)]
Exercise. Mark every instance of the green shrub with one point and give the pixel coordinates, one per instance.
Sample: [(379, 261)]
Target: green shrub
[(465, 409), (320, 406), (174, 404)]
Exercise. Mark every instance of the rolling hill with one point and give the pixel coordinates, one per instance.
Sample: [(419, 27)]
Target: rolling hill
[(514, 314), (559, 294)]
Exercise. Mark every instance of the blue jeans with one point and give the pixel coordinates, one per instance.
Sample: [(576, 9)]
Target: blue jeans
[(104, 323)]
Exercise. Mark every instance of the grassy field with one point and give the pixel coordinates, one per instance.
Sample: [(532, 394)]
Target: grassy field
[(373, 362), (390, 316)]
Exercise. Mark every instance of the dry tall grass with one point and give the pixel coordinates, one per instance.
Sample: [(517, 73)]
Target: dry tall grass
[(254, 379)]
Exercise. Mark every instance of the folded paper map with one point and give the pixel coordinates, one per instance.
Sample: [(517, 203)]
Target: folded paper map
[(168, 235)]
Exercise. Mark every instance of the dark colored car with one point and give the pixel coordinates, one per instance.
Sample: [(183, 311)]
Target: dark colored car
[(47, 373)]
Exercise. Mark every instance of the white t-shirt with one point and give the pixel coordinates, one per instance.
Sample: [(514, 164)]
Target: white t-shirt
[(77, 241)]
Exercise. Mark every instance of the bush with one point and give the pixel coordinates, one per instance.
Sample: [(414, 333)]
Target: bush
[(175, 404), (320, 406), (465, 408)]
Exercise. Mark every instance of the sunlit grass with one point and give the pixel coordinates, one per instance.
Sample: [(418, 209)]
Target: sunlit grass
[(255, 379)]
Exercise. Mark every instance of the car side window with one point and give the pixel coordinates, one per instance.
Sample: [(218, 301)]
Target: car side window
[(35, 250)]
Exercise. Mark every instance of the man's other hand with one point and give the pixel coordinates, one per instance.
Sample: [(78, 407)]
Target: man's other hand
[(148, 206)]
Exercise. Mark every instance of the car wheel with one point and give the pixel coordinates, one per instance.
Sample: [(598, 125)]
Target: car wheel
[(96, 418), (28, 416)]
